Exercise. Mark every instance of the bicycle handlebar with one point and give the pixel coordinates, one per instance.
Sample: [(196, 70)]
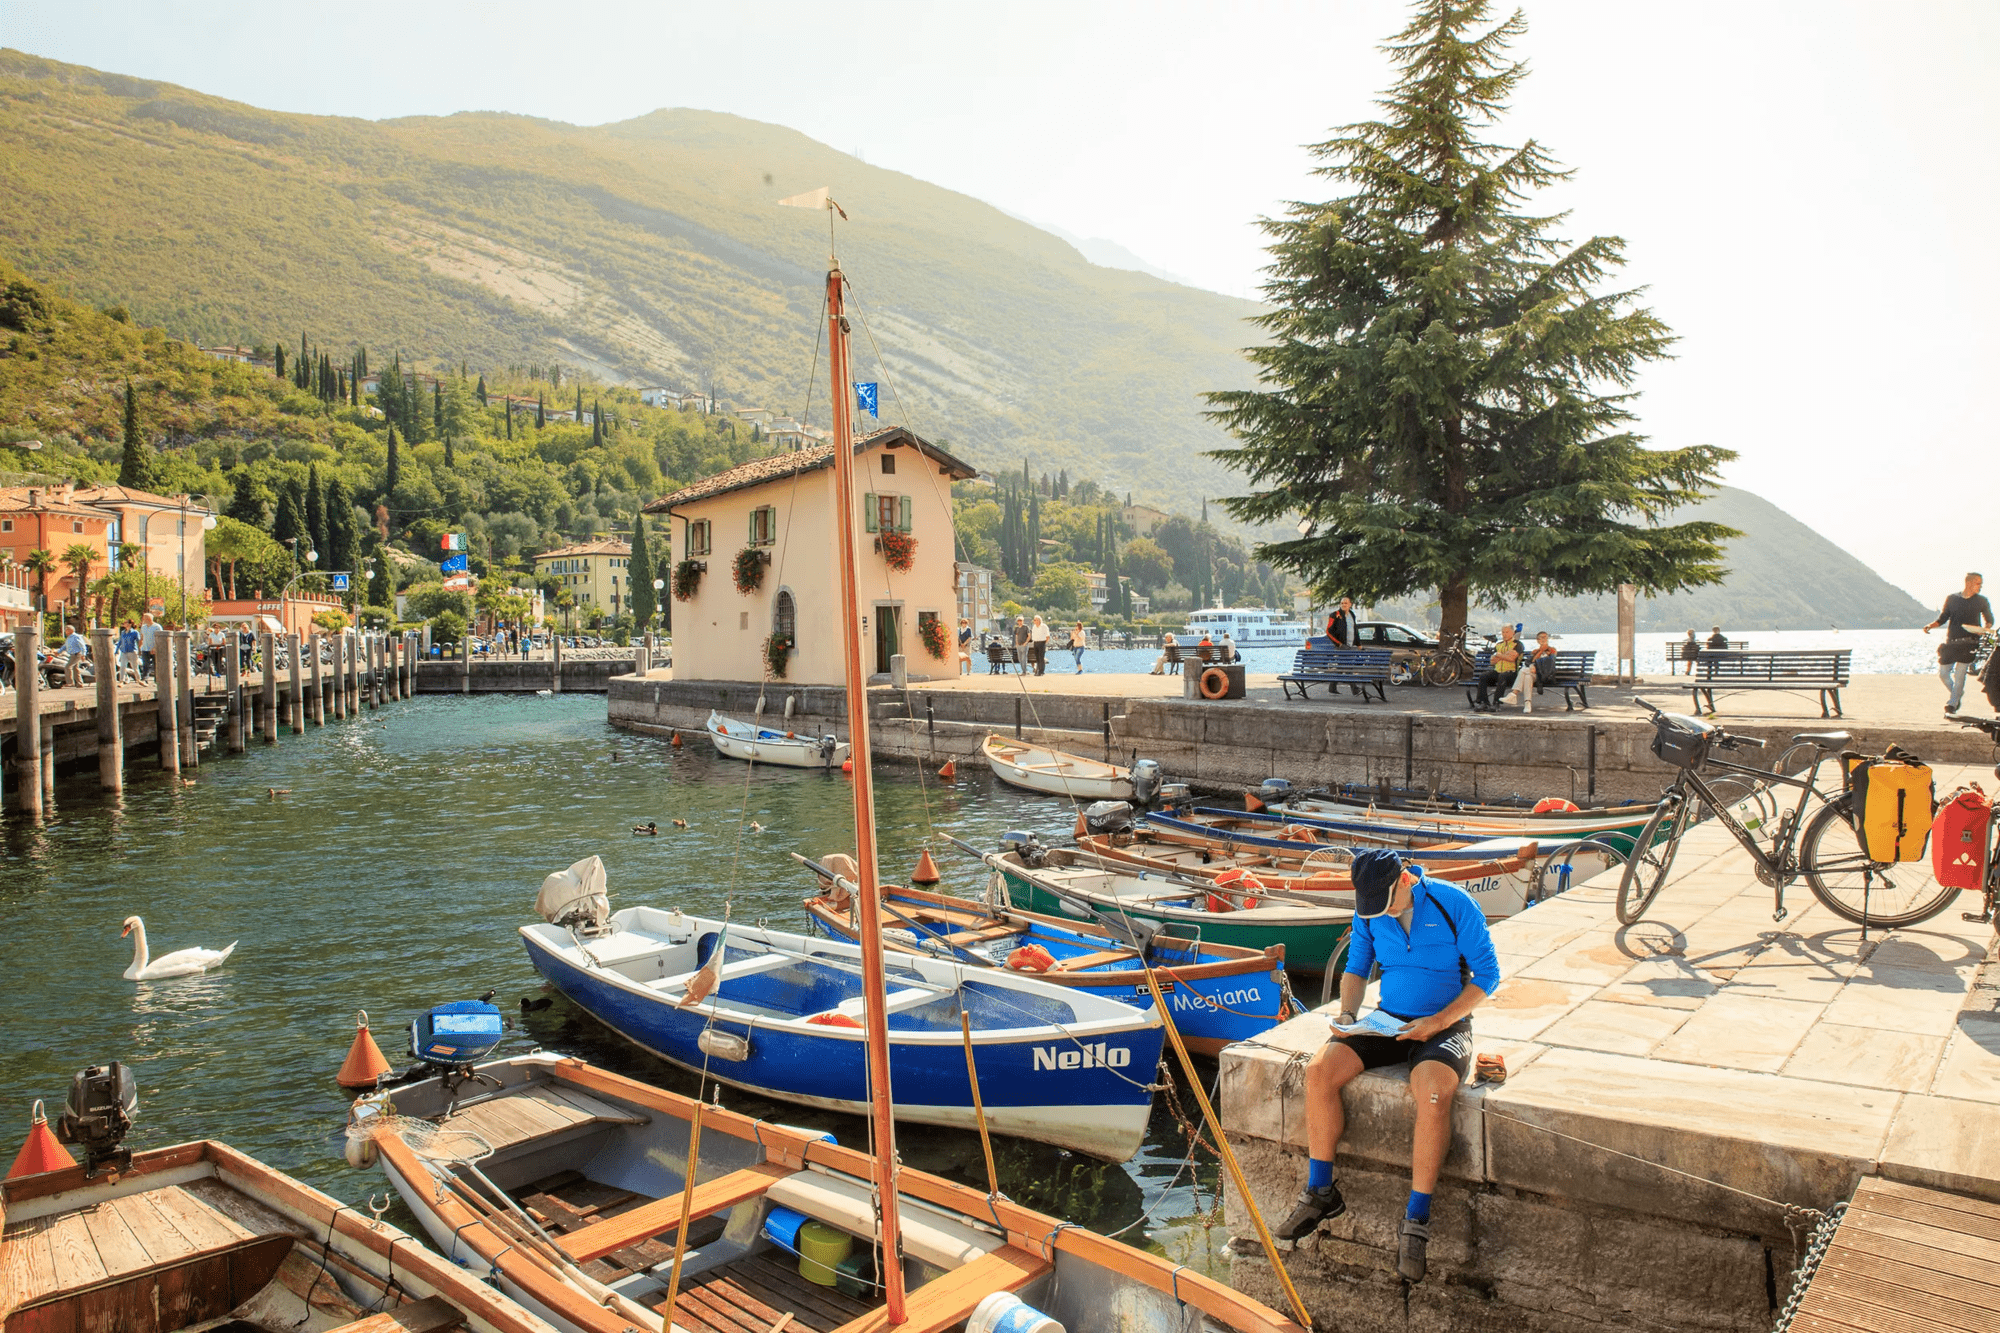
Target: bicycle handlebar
[(1729, 742), (1989, 725)]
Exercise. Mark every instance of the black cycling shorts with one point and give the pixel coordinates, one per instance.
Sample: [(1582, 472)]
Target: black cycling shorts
[(1453, 1047)]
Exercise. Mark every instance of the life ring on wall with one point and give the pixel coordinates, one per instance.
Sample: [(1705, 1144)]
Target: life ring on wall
[(1214, 683)]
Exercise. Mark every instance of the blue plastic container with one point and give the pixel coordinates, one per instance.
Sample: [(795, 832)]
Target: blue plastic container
[(781, 1226)]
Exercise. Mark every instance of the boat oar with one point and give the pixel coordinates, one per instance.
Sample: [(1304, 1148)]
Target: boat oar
[(926, 936), (1137, 934)]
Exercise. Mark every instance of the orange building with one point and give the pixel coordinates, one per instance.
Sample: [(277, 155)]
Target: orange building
[(168, 528), (41, 518)]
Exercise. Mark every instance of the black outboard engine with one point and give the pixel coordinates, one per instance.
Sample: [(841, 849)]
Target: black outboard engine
[(1275, 791), (98, 1115), (1107, 816), (1026, 846), (1147, 779)]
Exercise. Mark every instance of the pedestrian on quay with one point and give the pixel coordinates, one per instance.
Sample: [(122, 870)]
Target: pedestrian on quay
[(1038, 645), (1966, 616), (964, 646), (1499, 676), (128, 650), (78, 649), (1690, 650), (218, 650), (1076, 646), (149, 635), (1342, 627), (1717, 640), (1438, 965), (1021, 643)]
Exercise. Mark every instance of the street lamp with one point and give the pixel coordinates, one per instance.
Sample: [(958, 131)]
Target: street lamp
[(207, 525), (285, 597)]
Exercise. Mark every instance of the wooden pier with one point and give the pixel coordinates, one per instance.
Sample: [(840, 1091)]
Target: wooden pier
[(1905, 1257)]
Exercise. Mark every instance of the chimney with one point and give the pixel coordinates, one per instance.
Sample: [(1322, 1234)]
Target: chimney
[(34, 498)]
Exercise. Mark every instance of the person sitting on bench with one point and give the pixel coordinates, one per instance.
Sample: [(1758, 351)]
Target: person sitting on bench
[(1505, 667), (1529, 682)]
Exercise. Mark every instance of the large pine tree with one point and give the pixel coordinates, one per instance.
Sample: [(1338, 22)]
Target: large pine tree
[(341, 546), (316, 511), (392, 475), (1446, 394), (641, 571), (135, 469)]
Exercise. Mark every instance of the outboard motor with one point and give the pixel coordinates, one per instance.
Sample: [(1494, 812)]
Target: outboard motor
[(1173, 794), (1147, 779), (98, 1114), (449, 1039), (1275, 791), (1026, 846), (576, 898), (1107, 816)]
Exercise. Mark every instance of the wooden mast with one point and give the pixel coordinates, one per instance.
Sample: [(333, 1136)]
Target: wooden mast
[(868, 900)]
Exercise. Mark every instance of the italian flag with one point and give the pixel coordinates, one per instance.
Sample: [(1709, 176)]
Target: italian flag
[(454, 541)]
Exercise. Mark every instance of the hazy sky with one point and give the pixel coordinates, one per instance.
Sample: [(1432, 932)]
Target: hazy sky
[(1807, 188)]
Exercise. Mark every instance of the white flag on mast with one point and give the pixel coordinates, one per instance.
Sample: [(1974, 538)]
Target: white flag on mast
[(820, 198)]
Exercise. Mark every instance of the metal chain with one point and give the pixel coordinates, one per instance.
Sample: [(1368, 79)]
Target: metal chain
[(1809, 1262)]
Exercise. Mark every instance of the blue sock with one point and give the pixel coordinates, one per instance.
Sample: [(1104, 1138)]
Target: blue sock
[(1420, 1207), (1319, 1174)]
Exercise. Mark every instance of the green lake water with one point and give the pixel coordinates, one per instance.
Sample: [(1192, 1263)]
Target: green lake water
[(395, 875)]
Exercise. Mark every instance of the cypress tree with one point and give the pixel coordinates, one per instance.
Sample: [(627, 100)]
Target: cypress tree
[(507, 411), (315, 510), (480, 389), (135, 469), (1034, 552), (437, 409), (641, 571), (596, 433), (393, 476), (1445, 395), (290, 524), (244, 505), (381, 588), (541, 413), (450, 455), (579, 402), (340, 535), (278, 360)]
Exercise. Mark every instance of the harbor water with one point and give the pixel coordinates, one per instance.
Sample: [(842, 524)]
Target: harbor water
[(392, 871)]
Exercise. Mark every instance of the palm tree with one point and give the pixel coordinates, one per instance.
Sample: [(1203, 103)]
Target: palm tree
[(42, 562), (78, 556)]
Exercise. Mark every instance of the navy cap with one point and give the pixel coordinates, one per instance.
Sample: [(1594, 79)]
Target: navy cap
[(1376, 873)]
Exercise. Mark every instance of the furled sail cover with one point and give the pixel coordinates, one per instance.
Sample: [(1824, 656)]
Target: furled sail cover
[(576, 896)]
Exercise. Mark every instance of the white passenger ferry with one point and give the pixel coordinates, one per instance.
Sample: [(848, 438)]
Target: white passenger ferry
[(1251, 626)]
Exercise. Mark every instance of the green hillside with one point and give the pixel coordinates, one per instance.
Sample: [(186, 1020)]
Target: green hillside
[(647, 251)]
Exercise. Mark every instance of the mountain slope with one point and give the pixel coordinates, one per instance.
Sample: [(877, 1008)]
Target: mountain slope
[(647, 250)]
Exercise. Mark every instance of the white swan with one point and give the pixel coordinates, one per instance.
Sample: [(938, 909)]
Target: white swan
[(180, 963)]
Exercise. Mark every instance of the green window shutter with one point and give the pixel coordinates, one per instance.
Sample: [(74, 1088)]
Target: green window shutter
[(753, 527), (870, 509), (904, 524)]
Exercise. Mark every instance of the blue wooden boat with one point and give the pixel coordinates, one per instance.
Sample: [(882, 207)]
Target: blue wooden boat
[(780, 1014), (1216, 993)]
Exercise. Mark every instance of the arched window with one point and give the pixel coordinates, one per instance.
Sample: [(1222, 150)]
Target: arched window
[(785, 618)]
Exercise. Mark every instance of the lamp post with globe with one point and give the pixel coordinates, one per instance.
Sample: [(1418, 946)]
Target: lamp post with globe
[(285, 598), (207, 525)]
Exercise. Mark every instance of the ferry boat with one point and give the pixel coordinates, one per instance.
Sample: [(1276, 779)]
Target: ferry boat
[(1250, 626)]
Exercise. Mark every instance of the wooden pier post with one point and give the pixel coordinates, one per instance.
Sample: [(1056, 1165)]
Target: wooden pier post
[(184, 702), (465, 662), (317, 695), (335, 688), (163, 687), (412, 654), (269, 643), (48, 762), (297, 698), (352, 682), (27, 723), (555, 676), (366, 682), (110, 744), (232, 680), (383, 694)]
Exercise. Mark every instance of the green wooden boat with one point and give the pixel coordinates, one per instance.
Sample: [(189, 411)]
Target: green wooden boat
[(1083, 887)]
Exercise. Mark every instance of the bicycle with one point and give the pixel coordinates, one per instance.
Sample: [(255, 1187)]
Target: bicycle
[(1826, 850), (1446, 664)]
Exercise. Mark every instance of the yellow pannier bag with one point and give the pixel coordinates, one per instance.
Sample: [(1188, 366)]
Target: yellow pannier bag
[(1894, 801)]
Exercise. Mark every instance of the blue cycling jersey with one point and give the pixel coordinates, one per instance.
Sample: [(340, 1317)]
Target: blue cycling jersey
[(1421, 971)]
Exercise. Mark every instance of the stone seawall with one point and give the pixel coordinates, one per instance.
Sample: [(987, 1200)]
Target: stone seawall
[(589, 675)]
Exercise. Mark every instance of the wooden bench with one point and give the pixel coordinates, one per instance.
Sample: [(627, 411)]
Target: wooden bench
[(1573, 672), (650, 1219), (1364, 668), (1821, 671)]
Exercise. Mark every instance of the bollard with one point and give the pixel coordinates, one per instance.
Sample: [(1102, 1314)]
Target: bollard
[(232, 675), (295, 699), (555, 676), (409, 665), (27, 724), (163, 687), (391, 687), (110, 745), (317, 695), (352, 683), (269, 710), (381, 670), (184, 704), (368, 672)]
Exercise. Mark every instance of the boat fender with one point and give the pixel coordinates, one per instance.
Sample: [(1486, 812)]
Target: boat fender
[(723, 1045), (360, 1151), (1031, 958), (1004, 1312), (1555, 805)]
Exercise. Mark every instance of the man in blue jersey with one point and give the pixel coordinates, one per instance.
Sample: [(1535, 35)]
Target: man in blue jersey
[(1437, 961)]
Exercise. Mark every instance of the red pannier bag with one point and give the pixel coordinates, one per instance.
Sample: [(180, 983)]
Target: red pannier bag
[(1959, 838)]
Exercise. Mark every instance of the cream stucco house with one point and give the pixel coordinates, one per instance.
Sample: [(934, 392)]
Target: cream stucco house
[(780, 508)]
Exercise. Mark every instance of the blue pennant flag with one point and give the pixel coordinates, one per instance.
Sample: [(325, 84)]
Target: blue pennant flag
[(864, 400), (453, 564)]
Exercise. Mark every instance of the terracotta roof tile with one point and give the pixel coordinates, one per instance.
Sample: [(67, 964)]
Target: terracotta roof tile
[(608, 547), (776, 467)]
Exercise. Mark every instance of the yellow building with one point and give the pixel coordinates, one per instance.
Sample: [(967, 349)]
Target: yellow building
[(779, 511), (598, 574)]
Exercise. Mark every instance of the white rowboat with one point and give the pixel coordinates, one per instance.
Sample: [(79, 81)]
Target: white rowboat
[(1055, 773), (764, 745)]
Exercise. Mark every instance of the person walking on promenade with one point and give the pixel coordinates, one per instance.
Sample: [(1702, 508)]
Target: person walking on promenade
[(1077, 644), (1966, 615), (78, 649), (1038, 645), (218, 647), (1500, 675), (1690, 650), (1342, 627), (964, 646), (1021, 643), (128, 651), (1438, 965), (149, 634)]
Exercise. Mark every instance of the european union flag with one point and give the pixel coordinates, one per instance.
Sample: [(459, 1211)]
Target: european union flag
[(864, 400), (453, 564)]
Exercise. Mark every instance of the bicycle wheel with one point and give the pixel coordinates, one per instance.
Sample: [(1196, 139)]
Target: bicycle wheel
[(1442, 669), (1652, 857), (1868, 893)]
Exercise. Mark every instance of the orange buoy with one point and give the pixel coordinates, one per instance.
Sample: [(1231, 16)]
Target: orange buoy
[(1251, 803), (926, 871), (949, 771), (677, 740), (847, 765), (1031, 958), (1082, 825), (365, 1063), (830, 1019), (1554, 805), (41, 1152)]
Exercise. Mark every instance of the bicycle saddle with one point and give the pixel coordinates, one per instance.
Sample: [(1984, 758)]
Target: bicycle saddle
[(1825, 740)]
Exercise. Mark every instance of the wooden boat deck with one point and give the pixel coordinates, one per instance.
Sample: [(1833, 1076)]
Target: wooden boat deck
[(519, 1117), (129, 1235), (614, 1233), (1907, 1258), (752, 1294)]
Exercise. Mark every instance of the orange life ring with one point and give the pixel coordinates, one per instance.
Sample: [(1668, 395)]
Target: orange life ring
[(1551, 805), (1214, 683)]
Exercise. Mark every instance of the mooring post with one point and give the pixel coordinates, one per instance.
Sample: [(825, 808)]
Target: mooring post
[(385, 691), (409, 664), (315, 692), (163, 686), (334, 700), (1017, 718), (555, 674), (270, 690), (465, 662), (295, 698), (184, 706), (350, 683), (391, 679), (232, 676), (48, 763), (110, 745), (27, 722)]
